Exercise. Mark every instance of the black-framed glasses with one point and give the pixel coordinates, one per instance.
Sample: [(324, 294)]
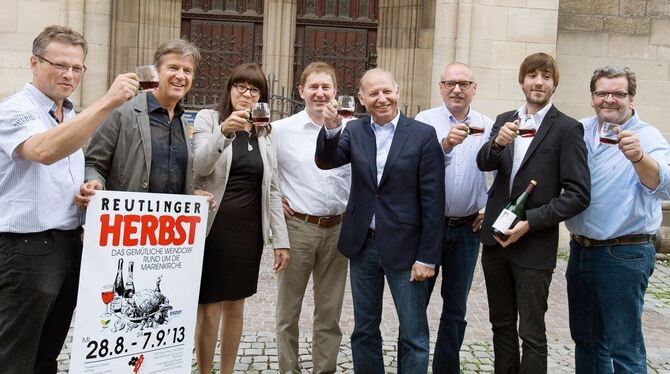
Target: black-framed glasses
[(605, 95), (61, 68), (462, 84), (241, 89)]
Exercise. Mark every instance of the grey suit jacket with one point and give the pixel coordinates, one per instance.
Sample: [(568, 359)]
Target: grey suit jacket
[(212, 161), (119, 154)]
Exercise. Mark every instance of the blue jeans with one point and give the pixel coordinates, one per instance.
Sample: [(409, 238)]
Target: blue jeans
[(606, 287), (458, 266), (367, 289)]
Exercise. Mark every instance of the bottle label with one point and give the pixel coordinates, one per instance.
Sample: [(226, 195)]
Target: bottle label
[(504, 221)]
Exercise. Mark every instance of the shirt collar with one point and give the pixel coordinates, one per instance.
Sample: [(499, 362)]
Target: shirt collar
[(453, 119), (306, 120), (154, 105), (393, 122), (44, 101)]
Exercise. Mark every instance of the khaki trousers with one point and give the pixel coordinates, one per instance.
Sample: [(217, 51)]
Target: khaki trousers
[(313, 252)]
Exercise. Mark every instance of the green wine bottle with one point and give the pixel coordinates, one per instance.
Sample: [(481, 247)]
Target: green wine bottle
[(513, 213)]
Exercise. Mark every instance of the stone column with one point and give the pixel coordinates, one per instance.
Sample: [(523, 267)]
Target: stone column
[(96, 26), (278, 39), (137, 28), (405, 42)]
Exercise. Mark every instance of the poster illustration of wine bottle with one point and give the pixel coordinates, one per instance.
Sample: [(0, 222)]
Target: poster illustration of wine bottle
[(140, 272)]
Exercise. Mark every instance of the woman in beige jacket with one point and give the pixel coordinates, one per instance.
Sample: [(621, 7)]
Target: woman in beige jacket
[(237, 163)]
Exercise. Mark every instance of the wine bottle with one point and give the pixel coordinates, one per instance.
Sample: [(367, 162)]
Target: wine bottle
[(130, 285), (118, 282), (513, 213)]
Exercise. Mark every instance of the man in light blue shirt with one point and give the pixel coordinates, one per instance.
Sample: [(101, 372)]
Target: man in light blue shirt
[(462, 132), (611, 251)]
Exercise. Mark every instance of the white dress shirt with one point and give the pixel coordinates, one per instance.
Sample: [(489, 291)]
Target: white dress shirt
[(465, 184), (308, 189), (35, 197), (521, 144)]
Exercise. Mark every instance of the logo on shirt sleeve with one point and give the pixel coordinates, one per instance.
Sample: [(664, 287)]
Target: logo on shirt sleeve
[(20, 119)]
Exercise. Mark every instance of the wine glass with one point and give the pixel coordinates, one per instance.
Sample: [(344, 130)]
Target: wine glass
[(107, 294), (608, 133), (346, 106), (148, 76), (527, 126), (473, 129), (260, 114)]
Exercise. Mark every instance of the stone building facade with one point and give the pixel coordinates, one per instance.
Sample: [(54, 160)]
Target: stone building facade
[(415, 39)]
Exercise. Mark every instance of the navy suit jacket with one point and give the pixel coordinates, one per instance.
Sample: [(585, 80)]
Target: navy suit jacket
[(408, 201)]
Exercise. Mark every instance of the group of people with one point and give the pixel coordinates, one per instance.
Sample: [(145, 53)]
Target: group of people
[(392, 198)]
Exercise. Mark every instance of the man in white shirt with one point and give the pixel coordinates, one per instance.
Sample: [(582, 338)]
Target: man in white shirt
[(462, 132), (314, 201), (42, 166)]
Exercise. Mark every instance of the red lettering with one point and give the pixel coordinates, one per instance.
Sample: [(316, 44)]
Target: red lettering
[(129, 230), (107, 229), (166, 231), (149, 226)]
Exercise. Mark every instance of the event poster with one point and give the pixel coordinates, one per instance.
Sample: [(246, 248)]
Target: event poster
[(139, 281)]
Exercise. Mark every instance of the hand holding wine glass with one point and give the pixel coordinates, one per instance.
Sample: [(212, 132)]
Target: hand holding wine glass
[(527, 126), (148, 75), (608, 133), (507, 133)]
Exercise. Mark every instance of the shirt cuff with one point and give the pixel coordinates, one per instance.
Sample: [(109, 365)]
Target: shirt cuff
[(331, 133), (432, 266)]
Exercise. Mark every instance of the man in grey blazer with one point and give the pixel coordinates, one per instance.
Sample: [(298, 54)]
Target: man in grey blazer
[(144, 145)]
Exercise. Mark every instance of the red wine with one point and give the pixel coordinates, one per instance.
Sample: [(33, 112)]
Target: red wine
[(513, 213), (475, 130), (608, 141), (261, 121), (107, 296), (527, 133), (345, 113), (149, 85)]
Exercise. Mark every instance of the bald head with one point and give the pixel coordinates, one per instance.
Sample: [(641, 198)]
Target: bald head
[(379, 93)]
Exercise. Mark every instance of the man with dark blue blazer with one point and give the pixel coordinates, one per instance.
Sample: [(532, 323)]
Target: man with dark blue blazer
[(393, 225)]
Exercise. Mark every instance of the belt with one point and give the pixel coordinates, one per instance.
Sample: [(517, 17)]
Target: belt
[(321, 221), (622, 240), (457, 221)]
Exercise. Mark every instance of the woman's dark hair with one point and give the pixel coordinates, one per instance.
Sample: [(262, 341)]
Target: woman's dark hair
[(250, 73)]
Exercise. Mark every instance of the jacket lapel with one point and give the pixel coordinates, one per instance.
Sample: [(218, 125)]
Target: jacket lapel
[(142, 123), (370, 148), (399, 138), (546, 125)]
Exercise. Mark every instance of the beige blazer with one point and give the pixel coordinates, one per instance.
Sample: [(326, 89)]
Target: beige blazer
[(211, 166)]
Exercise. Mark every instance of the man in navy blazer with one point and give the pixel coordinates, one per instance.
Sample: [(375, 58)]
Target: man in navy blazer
[(393, 225)]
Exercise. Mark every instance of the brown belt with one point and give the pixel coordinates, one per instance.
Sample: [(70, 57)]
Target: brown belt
[(457, 221), (622, 240), (321, 221)]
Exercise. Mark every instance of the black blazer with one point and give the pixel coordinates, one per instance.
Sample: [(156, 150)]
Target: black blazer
[(408, 202), (556, 159)]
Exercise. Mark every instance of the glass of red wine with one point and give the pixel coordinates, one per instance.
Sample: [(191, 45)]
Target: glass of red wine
[(527, 127), (148, 76), (260, 115), (609, 132), (473, 129), (107, 293), (346, 106)]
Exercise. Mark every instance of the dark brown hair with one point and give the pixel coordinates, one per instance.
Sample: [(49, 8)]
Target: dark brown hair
[(539, 61), (251, 73)]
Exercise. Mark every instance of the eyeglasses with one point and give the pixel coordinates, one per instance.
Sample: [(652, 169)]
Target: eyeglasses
[(241, 89), (76, 69), (616, 95), (462, 84)]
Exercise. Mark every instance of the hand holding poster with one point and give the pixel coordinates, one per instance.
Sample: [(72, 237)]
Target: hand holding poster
[(139, 281)]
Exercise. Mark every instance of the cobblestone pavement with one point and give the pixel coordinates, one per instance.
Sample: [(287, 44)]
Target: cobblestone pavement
[(258, 351)]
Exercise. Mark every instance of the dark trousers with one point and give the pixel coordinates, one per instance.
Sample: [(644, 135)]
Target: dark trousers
[(39, 276), (516, 293)]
